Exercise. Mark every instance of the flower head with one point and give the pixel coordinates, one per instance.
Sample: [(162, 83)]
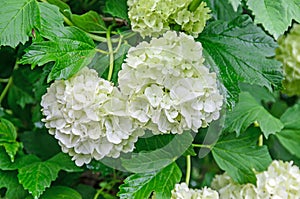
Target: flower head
[(87, 115), (155, 17), (288, 53), (182, 191), (169, 88)]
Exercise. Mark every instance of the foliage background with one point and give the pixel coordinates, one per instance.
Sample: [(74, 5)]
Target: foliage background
[(56, 38)]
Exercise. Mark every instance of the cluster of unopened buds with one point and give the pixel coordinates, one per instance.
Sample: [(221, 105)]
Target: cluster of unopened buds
[(163, 87)]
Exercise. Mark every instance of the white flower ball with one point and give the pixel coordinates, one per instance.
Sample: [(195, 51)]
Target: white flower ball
[(182, 191), (227, 188), (87, 115), (281, 180), (169, 88)]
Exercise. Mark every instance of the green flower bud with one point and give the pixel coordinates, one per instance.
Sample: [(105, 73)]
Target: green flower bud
[(288, 53)]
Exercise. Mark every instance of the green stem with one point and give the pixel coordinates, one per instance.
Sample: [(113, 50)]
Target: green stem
[(188, 169), (101, 51), (260, 140), (10, 80), (96, 37), (119, 44), (111, 53), (202, 146), (99, 191), (68, 21)]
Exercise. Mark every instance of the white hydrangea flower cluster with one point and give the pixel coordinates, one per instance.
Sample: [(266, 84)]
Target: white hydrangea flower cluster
[(154, 17), (281, 180), (88, 117), (227, 188), (288, 53), (182, 191), (169, 88)]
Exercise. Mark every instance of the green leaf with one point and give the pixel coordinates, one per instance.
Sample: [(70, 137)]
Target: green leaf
[(259, 93), (40, 143), (222, 10), (238, 156), (60, 192), (51, 19), (289, 137), (8, 136), (235, 4), (275, 16), (90, 22), (248, 111), (8, 179), (64, 161), (36, 177), (71, 50), (20, 96), (117, 8), (237, 50), (141, 185), (147, 161), (18, 18)]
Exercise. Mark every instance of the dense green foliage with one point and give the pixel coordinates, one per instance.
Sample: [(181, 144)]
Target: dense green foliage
[(46, 40)]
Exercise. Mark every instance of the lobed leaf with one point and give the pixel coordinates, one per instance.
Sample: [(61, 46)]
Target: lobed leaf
[(8, 180), (238, 156), (71, 50), (8, 136), (61, 192), (18, 18), (275, 16), (289, 137), (238, 51), (117, 8), (248, 111), (142, 185)]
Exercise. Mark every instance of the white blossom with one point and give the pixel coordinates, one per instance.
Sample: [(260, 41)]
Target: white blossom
[(182, 191), (169, 88), (88, 117)]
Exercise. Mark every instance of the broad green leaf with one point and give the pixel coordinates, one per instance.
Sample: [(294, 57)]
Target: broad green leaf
[(60, 192), (18, 18), (222, 10), (142, 185), (8, 136), (90, 22), (290, 118), (259, 93), (8, 131), (20, 161), (36, 177), (40, 143), (8, 180), (51, 19), (238, 156), (117, 8), (64, 161), (20, 96), (289, 137), (71, 50), (275, 16), (237, 50), (248, 111), (147, 161)]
